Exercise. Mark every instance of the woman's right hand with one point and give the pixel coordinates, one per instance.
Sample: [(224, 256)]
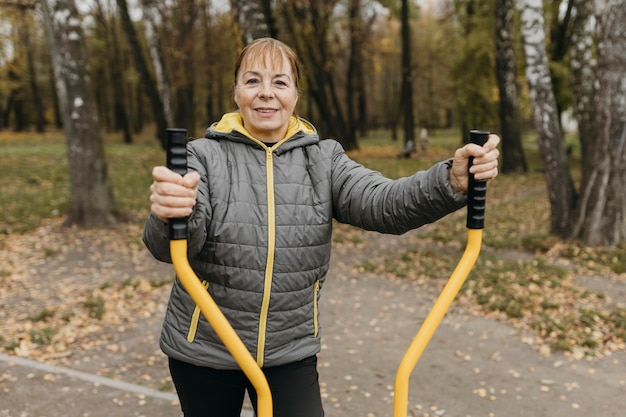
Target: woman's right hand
[(173, 195)]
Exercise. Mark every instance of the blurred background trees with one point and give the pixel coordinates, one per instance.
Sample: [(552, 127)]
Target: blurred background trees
[(551, 69)]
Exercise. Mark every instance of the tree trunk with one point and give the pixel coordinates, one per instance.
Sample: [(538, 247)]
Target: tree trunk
[(513, 159), (15, 102), (151, 17), (147, 80), (251, 19), (40, 120), (561, 191), (354, 24), (583, 74), (185, 20), (407, 77), (558, 45), (91, 197), (211, 102), (600, 94), (120, 99), (272, 28), (56, 106)]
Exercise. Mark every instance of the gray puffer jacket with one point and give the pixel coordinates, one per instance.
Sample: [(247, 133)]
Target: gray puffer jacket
[(260, 236)]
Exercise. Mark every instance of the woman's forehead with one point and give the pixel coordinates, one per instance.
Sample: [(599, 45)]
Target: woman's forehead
[(274, 61)]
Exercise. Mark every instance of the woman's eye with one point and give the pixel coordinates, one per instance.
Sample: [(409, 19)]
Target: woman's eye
[(252, 81)]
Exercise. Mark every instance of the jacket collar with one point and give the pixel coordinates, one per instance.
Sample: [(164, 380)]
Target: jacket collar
[(231, 126)]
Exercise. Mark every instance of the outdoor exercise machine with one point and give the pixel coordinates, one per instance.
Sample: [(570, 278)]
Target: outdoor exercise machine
[(177, 161)]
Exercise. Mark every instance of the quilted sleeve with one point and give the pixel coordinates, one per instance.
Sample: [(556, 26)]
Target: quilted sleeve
[(365, 198)]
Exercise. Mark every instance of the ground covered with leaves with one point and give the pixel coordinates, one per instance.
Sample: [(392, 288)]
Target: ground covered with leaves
[(73, 297)]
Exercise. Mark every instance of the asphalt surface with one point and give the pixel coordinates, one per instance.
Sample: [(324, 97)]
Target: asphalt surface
[(472, 367)]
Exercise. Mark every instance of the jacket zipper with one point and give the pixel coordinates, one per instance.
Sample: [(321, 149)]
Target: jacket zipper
[(195, 317), (269, 265)]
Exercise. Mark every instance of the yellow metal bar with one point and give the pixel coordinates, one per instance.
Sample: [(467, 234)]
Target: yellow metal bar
[(432, 321), (227, 334)]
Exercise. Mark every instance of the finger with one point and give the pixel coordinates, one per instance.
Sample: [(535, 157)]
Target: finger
[(487, 169), (163, 212), (482, 171), (168, 206), (164, 174), (487, 158), (478, 151), (487, 175), (173, 189), (191, 180), (492, 142)]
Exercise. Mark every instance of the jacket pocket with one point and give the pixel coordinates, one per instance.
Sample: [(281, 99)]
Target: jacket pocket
[(195, 317), (316, 289)]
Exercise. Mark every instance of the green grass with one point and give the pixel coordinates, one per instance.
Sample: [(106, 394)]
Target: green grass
[(96, 307), (35, 183), (36, 178)]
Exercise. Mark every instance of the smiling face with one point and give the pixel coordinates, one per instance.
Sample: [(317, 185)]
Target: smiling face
[(266, 89)]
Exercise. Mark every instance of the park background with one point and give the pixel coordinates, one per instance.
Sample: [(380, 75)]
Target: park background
[(87, 92)]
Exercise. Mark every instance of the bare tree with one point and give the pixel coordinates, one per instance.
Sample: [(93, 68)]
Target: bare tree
[(92, 203), (559, 180), (513, 159)]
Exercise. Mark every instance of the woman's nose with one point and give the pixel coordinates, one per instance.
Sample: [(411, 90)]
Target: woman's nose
[(266, 91)]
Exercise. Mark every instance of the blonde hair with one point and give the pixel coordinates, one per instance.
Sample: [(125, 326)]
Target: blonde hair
[(269, 51)]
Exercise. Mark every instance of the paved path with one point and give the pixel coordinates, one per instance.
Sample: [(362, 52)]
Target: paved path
[(473, 367)]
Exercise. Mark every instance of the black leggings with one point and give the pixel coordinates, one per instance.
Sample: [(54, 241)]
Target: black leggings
[(208, 392)]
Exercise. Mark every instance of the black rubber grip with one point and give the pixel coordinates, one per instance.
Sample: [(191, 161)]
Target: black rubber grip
[(176, 140), (477, 189)]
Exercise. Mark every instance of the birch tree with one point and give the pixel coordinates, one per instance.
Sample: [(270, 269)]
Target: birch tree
[(91, 197), (596, 213), (561, 192), (254, 19), (600, 107)]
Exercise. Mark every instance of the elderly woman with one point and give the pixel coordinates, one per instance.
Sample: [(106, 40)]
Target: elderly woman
[(261, 195)]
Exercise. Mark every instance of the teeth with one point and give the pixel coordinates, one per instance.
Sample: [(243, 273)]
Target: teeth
[(265, 111)]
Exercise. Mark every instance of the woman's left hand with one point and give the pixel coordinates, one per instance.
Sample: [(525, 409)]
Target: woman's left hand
[(484, 166)]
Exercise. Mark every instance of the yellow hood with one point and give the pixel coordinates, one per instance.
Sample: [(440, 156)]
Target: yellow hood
[(234, 122)]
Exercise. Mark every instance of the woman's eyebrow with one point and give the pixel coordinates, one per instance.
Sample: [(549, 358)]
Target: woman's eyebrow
[(258, 74), (280, 76)]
